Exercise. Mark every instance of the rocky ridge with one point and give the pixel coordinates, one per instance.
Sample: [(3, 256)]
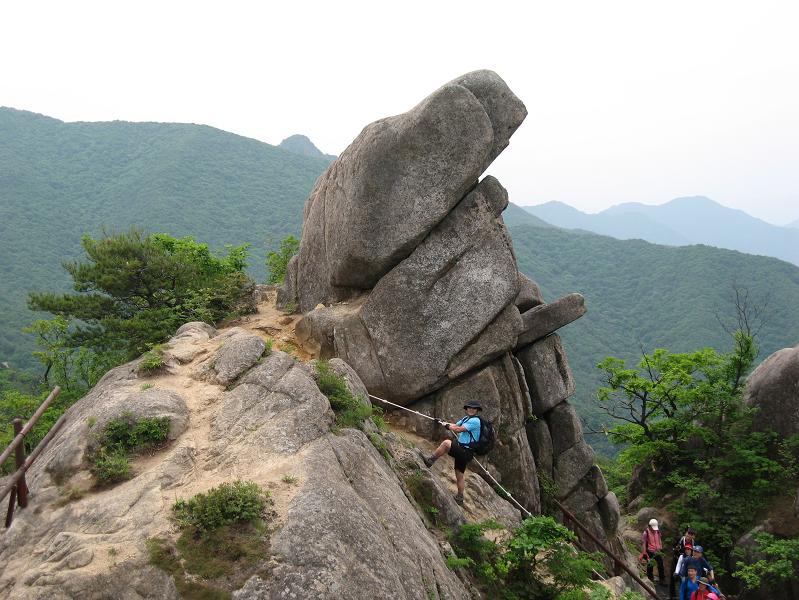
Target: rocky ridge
[(407, 272), (347, 526)]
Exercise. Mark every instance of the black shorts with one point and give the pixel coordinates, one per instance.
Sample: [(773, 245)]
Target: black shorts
[(462, 456)]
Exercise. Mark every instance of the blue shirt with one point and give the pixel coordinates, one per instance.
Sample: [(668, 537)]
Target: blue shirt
[(472, 425)]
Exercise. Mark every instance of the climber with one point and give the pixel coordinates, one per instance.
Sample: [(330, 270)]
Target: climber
[(468, 430), (653, 549)]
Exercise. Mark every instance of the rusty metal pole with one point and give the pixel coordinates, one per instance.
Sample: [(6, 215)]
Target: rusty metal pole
[(12, 501), (605, 549), (22, 487), (29, 425)]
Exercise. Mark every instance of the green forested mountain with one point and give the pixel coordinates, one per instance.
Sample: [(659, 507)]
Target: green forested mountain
[(60, 180), (642, 295)]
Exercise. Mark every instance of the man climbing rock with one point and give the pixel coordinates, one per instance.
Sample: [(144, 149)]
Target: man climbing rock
[(468, 430)]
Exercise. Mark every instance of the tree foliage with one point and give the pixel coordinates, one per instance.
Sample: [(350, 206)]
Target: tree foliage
[(537, 561), (276, 262), (134, 290), (684, 423)]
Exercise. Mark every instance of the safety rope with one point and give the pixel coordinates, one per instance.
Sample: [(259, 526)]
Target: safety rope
[(486, 471), (619, 562)]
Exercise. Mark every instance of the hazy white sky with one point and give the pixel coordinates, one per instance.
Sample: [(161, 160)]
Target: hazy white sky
[(628, 101)]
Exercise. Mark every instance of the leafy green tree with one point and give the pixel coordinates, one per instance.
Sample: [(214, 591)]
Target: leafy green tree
[(538, 561), (683, 417), (778, 562), (135, 289), (277, 262)]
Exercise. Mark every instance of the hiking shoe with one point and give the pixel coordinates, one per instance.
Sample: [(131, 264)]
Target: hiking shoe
[(459, 499), (429, 460)]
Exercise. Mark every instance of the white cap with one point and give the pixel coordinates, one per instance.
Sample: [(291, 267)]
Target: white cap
[(653, 523)]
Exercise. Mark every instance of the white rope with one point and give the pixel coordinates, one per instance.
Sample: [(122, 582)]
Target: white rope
[(491, 477)]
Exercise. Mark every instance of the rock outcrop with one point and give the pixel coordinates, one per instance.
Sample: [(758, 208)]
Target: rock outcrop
[(407, 272), (344, 525), (773, 388)]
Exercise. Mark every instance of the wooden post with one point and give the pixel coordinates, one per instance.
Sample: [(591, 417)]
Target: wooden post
[(22, 487), (12, 501)]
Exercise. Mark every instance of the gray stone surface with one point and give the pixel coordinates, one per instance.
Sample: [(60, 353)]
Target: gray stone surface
[(609, 513), (540, 441), (529, 294), (564, 427), (195, 328), (396, 181), (547, 372), (773, 387), (236, 354), (116, 395), (275, 408), (350, 534), (589, 490), (539, 321), (439, 299), (572, 465)]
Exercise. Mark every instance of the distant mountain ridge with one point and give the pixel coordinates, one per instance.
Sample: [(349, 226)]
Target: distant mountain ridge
[(680, 222), (300, 144), (60, 180)]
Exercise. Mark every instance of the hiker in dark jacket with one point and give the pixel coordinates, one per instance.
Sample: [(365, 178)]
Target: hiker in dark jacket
[(704, 568), (468, 430), (653, 550), (679, 553)]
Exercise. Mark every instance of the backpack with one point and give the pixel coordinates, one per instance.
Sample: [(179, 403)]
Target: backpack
[(485, 442)]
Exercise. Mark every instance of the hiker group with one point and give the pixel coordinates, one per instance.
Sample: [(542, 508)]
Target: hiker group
[(691, 576)]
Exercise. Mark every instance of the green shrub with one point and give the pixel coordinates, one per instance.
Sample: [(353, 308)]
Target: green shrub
[(153, 359), (224, 505), (222, 544), (537, 562), (350, 411), (109, 454), (453, 562), (110, 466), (276, 262), (128, 434)]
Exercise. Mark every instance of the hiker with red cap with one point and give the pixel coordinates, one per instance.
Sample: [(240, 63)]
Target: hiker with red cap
[(653, 551), (468, 430), (682, 551), (704, 590)]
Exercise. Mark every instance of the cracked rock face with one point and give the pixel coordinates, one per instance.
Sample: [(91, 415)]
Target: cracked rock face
[(343, 528), (406, 250)]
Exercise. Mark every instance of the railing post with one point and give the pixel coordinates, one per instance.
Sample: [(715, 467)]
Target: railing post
[(22, 487), (12, 501)]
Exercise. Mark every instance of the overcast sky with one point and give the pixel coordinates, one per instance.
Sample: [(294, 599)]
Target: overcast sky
[(628, 101)]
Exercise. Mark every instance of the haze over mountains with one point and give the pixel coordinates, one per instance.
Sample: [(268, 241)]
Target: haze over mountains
[(60, 180), (680, 222)]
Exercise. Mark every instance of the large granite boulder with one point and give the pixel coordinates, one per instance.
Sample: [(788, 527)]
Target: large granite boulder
[(399, 178), (349, 534), (341, 526), (773, 387)]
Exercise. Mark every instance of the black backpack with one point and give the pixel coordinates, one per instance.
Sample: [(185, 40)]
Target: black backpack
[(485, 442)]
